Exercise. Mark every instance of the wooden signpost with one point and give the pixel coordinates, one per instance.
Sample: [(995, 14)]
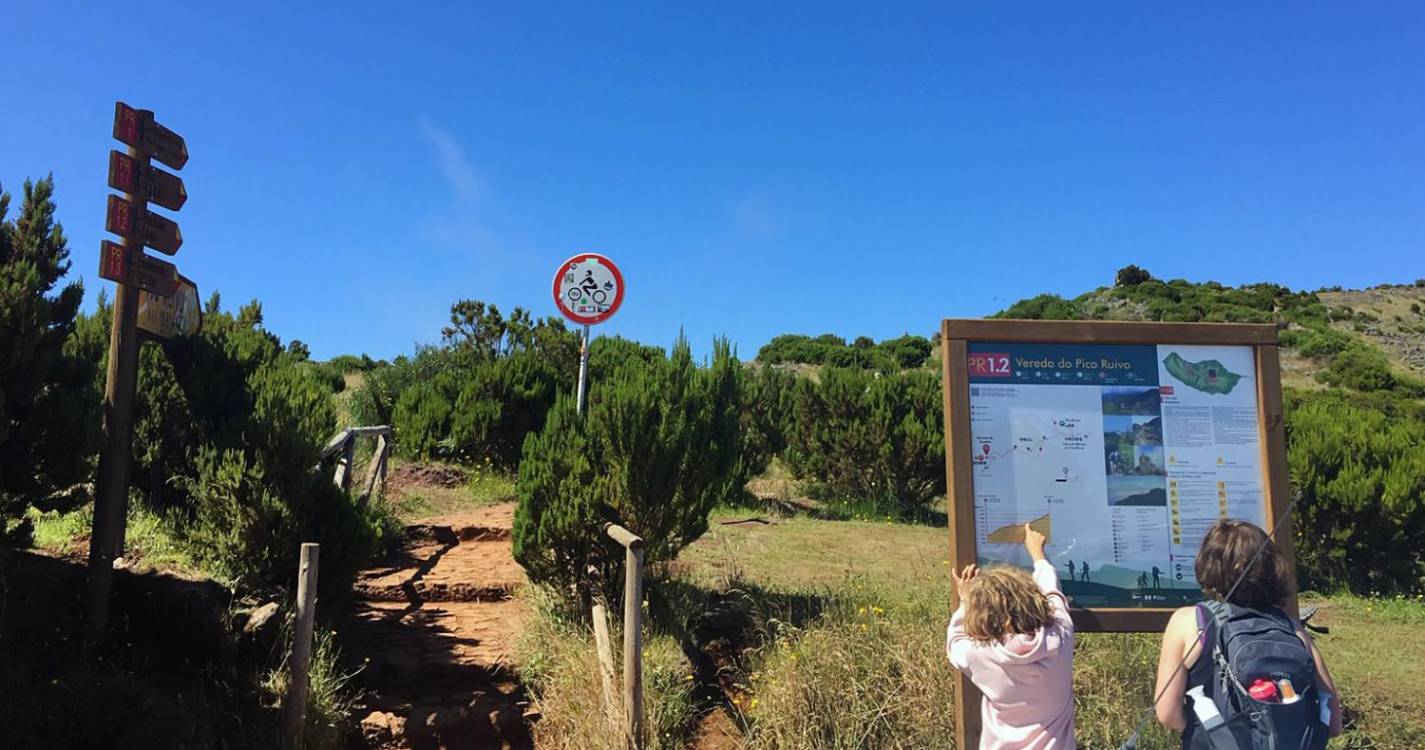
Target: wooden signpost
[(177, 314), (135, 274), (125, 219), (153, 184), (1123, 442), (125, 265)]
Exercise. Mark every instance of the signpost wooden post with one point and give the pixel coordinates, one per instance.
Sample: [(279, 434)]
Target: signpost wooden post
[(135, 274), (1199, 407)]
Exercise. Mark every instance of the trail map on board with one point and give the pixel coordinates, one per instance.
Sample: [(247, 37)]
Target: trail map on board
[(1124, 455)]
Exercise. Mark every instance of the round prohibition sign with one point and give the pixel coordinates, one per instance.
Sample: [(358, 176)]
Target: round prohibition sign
[(588, 288)]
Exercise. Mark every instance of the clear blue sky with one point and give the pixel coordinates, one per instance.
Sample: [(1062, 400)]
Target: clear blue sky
[(755, 168)]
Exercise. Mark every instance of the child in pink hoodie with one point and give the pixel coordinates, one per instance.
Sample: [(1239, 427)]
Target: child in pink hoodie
[(1013, 638)]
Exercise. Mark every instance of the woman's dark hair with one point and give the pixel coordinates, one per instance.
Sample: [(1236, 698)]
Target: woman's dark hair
[(1227, 550)]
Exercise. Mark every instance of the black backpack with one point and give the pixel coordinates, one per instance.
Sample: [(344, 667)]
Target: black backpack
[(1251, 645)]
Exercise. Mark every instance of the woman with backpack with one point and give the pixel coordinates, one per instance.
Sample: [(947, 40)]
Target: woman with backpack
[(1236, 671)]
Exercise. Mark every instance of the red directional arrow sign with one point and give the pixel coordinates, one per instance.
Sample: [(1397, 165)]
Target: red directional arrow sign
[(119, 263), (151, 184), (137, 128), (153, 230)]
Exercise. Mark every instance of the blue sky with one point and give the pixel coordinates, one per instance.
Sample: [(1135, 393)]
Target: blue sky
[(754, 168)]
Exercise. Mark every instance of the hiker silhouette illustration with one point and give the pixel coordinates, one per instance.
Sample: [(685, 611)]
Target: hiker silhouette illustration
[(1084, 572), (1157, 584), (1070, 565)]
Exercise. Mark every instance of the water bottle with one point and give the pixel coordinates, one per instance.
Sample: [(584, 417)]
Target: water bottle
[(1288, 691), (1206, 710)]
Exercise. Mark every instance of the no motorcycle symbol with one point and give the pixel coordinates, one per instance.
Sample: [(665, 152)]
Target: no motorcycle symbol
[(588, 288)]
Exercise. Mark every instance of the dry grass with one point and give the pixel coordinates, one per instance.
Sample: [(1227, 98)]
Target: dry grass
[(558, 665), (870, 671), (1375, 651), (849, 620), (482, 486), (803, 554)]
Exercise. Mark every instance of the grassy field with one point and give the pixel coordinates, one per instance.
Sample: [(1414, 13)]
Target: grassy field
[(426, 490), (843, 648)]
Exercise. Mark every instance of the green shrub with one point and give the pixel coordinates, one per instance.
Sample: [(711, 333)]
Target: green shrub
[(500, 403), (767, 415), (49, 399), (871, 436), (241, 524), (1360, 368), (1179, 300), (476, 396), (831, 350), (658, 448), (1360, 472), (331, 377), (1131, 276), (1043, 307), (228, 426), (345, 364), (422, 417), (1316, 342)]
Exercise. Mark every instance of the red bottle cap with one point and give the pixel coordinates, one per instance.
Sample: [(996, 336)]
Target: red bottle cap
[(1263, 690)]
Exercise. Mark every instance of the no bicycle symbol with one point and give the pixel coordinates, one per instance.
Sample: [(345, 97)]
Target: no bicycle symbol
[(588, 288)]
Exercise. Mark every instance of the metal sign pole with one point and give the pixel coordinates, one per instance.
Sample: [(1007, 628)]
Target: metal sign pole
[(583, 371)]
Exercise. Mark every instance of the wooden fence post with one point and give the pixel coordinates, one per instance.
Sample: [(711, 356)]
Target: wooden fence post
[(376, 472), (606, 664), (294, 709), (632, 634), (344, 464)]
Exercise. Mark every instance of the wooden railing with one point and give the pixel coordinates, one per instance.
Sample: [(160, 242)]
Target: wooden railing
[(345, 444), (632, 714)]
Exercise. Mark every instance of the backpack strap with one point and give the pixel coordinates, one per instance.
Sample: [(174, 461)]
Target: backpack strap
[(1221, 611), (1227, 682)]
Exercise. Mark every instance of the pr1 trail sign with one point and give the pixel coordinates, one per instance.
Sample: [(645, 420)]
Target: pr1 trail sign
[(136, 128), (129, 221), (151, 184)]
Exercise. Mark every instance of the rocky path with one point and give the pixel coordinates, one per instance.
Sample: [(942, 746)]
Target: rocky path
[(437, 623)]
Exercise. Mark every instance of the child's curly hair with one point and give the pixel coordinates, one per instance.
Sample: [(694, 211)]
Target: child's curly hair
[(1002, 601)]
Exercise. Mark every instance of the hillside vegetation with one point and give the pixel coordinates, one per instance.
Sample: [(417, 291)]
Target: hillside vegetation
[(830, 618)]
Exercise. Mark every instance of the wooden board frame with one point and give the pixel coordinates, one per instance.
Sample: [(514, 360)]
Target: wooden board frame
[(955, 338)]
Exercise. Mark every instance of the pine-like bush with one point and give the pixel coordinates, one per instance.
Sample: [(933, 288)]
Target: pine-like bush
[(871, 438), (659, 447), (1359, 467), (228, 426), (503, 401), (422, 417), (49, 399), (767, 415)]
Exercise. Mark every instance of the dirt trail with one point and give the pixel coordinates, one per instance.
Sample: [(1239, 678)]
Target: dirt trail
[(437, 622)]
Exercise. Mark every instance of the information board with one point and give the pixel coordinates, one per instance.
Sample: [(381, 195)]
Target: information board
[(1122, 443), (1122, 454)]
